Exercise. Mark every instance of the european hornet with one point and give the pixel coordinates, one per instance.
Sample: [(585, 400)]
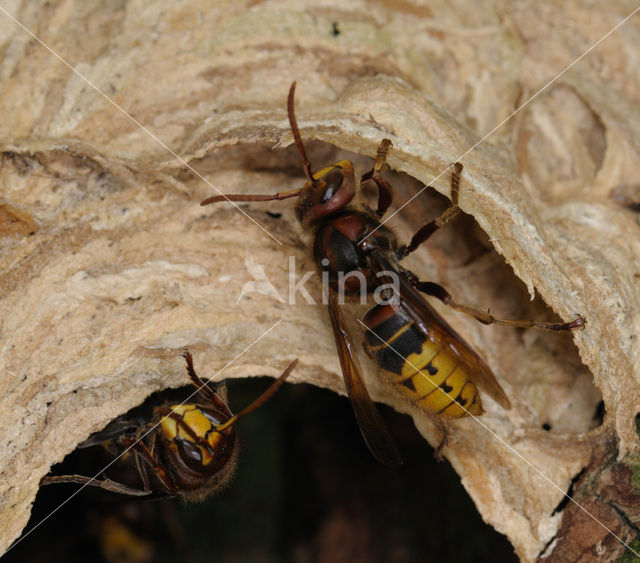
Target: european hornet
[(185, 450), (425, 360)]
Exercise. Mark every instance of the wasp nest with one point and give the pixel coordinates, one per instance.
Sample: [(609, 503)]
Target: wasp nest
[(109, 266)]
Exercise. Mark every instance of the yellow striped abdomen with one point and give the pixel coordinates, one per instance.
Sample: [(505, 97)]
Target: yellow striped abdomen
[(424, 370)]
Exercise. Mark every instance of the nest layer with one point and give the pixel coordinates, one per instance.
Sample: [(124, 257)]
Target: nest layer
[(109, 267)]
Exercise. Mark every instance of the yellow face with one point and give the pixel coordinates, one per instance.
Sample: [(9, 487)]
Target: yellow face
[(346, 166), (333, 188), (192, 423)]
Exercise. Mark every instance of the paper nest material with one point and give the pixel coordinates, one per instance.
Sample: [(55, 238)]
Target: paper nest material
[(109, 266)]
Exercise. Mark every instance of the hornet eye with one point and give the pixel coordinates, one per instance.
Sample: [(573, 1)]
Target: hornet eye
[(333, 179), (190, 451)]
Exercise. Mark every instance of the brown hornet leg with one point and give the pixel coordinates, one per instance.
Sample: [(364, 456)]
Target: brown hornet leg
[(147, 456), (447, 215), (437, 453), (201, 385), (385, 192), (436, 290), (106, 484)]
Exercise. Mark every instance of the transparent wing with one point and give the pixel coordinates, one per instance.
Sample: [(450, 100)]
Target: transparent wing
[(371, 425)]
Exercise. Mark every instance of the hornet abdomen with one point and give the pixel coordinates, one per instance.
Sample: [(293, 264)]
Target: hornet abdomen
[(432, 376)]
